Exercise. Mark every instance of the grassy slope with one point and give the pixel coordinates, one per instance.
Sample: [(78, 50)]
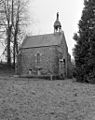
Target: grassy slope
[(33, 99)]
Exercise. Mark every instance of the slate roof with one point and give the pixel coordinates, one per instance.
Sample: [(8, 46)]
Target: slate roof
[(43, 40)]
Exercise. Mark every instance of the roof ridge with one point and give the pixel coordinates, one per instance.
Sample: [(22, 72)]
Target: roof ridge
[(45, 34), (40, 35)]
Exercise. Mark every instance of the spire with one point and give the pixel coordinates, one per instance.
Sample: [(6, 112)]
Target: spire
[(57, 16), (57, 24)]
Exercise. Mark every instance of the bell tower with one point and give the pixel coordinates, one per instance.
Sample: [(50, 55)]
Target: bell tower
[(57, 24)]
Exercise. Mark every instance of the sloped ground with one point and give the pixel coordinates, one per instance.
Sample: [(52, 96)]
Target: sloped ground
[(35, 99)]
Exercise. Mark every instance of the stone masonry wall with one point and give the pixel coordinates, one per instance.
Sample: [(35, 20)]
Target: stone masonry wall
[(48, 60), (62, 48)]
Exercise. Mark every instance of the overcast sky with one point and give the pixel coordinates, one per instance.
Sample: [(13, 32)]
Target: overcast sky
[(44, 15)]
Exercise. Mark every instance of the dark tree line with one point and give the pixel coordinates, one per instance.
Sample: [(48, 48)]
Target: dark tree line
[(84, 51)]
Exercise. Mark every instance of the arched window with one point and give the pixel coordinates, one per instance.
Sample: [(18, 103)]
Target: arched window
[(38, 58)]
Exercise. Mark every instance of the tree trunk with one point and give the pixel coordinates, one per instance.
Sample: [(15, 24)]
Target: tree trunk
[(8, 45), (15, 47), (14, 53)]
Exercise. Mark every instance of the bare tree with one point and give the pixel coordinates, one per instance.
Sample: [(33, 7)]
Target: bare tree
[(12, 20)]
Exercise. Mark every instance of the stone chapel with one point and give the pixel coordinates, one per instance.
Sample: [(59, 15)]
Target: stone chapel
[(46, 54)]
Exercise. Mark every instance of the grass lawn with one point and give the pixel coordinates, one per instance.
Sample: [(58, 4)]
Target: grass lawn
[(38, 99)]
